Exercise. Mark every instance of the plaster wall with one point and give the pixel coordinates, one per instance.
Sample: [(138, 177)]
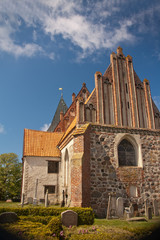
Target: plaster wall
[(37, 168)]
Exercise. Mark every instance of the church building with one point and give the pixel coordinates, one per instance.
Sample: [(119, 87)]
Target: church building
[(107, 141)]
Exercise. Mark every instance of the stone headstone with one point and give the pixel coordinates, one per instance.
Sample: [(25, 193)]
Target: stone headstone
[(8, 217), (127, 212), (131, 210), (119, 207), (111, 210), (155, 207), (30, 200), (149, 213), (146, 204), (46, 199), (35, 201), (8, 200), (69, 218)]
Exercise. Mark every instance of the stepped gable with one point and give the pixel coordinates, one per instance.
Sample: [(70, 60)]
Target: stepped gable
[(69, 116), (62, 107)]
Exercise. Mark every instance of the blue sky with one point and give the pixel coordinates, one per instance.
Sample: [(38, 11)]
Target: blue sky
[(48, 44)]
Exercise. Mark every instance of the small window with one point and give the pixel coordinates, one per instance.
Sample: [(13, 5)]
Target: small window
[(53, 167), (51, 189)]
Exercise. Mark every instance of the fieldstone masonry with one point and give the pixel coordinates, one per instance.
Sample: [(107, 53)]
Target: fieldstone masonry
[(107, 176)]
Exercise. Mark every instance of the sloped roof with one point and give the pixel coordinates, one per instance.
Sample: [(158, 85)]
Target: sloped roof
[(61, 107), (39, 143), (69, 129)]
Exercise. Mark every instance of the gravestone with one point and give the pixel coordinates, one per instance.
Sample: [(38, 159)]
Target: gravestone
[(131, 210), (35, 201), (30, 200), (8, 200), (69, 218), (111, 210), (155, 207), (149, 213), (146, 204), (46, 199), (8, 217), (119, 207), (22, 201)]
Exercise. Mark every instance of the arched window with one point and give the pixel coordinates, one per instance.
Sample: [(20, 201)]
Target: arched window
[(66, 168), (126, 154)]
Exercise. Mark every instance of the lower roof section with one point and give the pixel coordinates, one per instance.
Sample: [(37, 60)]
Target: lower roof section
[(39, 143)]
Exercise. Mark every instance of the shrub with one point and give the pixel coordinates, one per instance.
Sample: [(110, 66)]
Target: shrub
[(85, 215), (41, 219), (55, 226)]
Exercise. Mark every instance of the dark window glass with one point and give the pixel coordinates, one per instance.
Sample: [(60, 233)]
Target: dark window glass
[(53, 167), (126, 154), (51, 189)]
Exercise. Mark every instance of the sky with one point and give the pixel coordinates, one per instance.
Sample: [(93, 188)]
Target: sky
[(50, 44)]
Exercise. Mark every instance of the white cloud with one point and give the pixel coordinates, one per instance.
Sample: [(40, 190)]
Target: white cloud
[(45, 127), (156, 99), (1, 128), (7, 44), (91, 25)]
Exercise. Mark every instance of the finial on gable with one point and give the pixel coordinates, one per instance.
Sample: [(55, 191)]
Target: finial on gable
[(120, 51)]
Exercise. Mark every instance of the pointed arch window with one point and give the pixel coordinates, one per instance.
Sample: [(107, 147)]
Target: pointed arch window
[(66, 168), (126, 154)]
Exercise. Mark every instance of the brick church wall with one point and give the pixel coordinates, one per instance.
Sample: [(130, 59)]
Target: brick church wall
[(106, 176)]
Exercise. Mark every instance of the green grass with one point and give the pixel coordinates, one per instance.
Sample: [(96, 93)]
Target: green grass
[(35, 228), (102, 229), (12, 204)]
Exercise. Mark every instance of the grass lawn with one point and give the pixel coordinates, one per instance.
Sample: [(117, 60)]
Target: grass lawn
[(29, 229), (101, 229), (12, 204)]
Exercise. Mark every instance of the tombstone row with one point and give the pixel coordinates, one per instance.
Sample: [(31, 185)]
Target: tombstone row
[(116, 208)]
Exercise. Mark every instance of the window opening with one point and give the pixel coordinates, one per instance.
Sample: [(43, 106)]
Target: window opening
[(50, 188), (53, 167), (126, 154)]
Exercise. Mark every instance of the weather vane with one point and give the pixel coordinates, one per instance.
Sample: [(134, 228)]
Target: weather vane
[(61, 89)]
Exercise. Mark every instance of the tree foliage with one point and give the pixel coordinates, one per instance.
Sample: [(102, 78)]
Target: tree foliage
[(10, 177)]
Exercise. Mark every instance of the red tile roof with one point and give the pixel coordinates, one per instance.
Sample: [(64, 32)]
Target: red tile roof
[(39, 143)]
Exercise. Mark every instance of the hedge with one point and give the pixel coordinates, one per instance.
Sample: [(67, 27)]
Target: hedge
[(85, 215), (55, 226)]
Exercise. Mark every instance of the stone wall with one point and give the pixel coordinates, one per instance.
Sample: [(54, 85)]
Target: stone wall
[(106, 176)]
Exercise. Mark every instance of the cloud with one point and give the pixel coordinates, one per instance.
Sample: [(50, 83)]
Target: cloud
[(156, 99), (45, 127), (7, 44), (1, 128), (90, 25)]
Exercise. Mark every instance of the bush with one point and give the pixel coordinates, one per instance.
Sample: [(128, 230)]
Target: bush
[(85, 215), (55, 226), (41, 219)]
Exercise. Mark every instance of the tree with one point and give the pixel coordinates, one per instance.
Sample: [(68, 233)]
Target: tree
[(10, 177)]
